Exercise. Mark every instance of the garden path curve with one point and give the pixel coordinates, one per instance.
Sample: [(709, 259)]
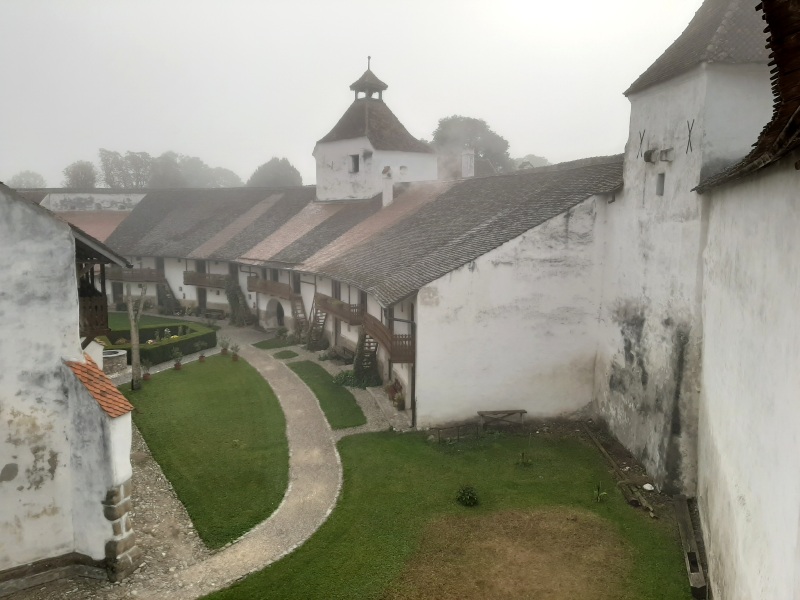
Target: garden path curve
[(315, 479)]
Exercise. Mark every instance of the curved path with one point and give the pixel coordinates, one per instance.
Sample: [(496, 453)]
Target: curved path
[(315, 479)]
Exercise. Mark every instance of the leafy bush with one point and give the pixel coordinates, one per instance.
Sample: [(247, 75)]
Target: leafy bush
[(346, 378), (467, 496)]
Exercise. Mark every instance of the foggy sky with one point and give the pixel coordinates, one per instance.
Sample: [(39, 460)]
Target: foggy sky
[(237, 82)]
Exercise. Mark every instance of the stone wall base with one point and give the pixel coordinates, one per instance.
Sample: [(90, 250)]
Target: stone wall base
[(49, 569), (122, 555)]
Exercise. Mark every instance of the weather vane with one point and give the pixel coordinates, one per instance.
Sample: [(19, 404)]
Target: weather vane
[(369, 58)]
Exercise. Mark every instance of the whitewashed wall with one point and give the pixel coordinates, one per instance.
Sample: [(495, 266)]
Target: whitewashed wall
[(336, 182), (650, 336), (91, 201), (749, 480), (513, 329), (39, 311)]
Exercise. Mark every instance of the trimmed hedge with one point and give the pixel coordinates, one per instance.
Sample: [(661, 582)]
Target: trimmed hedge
[(162, 351)]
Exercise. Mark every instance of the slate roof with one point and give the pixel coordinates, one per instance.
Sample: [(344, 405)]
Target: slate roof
[(726, 31), (110, 399), (466, 220), (371, 118), (782, 134), (175, 223), (368, 83)]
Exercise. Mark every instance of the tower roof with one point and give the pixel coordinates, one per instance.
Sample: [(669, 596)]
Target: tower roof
[(724, 31), (372, 119), (368, 83)]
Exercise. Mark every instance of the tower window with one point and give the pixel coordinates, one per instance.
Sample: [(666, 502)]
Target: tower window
[(354, 160), (660, 184)]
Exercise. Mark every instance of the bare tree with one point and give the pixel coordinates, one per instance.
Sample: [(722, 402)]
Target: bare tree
[(134, 312)]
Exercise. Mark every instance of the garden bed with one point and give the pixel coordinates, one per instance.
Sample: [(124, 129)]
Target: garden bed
[(157, 343)]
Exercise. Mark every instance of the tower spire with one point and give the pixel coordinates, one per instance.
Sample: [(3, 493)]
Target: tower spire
[(368, 84)]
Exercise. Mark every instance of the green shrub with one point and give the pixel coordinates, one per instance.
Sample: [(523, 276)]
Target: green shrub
[(161, 351), (467, 496), (346, 378)]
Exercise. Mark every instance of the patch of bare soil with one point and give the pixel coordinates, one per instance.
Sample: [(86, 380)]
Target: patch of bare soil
[(547, 554)]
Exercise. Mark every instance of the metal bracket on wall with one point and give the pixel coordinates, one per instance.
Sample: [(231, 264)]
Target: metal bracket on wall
[(689, 141), (641, 142)]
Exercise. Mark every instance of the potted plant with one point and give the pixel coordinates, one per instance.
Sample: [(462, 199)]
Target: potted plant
[(224, 343), (146, 366), (177, 355), (235, 350), (200, 347)]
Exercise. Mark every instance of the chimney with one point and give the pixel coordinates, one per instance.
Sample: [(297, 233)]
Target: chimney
[(388, 186), (468, 163)]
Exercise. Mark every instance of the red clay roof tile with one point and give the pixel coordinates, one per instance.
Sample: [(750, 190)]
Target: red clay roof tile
[(100, 387)]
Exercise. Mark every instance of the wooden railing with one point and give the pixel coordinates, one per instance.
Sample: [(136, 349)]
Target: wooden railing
[(352, 314), (135, 275), (93, 316), (211, 280), (399, 346), (273, 288)]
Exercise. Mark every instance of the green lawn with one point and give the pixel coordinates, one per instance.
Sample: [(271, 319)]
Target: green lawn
[(274, 343), (218, 432), (396, 486), (118, 321), (284, 354), (338, 404)]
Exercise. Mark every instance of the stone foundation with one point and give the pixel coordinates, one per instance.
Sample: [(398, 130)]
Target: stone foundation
[(122, 554)]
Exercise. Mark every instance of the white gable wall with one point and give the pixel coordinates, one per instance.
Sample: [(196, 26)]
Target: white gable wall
[(749, 482), (513, 329)]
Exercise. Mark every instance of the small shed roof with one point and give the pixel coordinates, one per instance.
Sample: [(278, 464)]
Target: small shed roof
[(110, 399)]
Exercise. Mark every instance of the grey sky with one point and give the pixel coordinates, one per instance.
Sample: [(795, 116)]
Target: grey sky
[(237, 82)]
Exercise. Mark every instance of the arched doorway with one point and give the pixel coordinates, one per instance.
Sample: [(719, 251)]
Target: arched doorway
[(273, 315)]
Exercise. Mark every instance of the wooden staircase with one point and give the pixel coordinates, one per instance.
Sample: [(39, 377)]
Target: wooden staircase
[(299, 314), (317, 331), (369, 360), (165, 298)]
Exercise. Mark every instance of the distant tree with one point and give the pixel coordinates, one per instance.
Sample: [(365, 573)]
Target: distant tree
[(27, 179), (195, 172), (166, 172), (81, 174), (138, 166), (456, 133), (277, 172), (225, 178), (131, 171), (532, 159)]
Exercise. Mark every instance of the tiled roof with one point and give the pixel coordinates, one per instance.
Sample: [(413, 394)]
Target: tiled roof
[(726, 31), (328, 230), (467, 219), (371, 118), (99, 224), (410, 200), (177, 223), (782, 134), (100, 387), (368, 83)]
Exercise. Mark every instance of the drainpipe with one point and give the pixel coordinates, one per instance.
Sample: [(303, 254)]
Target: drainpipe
[(413, 383)]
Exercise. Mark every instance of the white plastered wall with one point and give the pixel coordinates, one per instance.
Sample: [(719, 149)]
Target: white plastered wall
[(514, 328), (335, 181), (749, 481), (39, 310), (650, 327)]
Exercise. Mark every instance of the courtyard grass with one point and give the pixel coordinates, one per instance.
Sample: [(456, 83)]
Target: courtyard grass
[(397, 531), (275, 343), (119, 321), (284, 354), (338, 404), (219, 434)]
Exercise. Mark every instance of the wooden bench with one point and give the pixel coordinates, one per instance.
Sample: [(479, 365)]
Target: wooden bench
[(501, 416)]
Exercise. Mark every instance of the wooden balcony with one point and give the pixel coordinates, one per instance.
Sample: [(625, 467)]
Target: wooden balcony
[(209, 280), (272, 288), (352, 314), (93, 316), (135, 275), (399, 346)]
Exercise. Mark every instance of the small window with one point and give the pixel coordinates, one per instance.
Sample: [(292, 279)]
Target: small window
[(217, 292), (180, 288), (660, 184), (354, 160)]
